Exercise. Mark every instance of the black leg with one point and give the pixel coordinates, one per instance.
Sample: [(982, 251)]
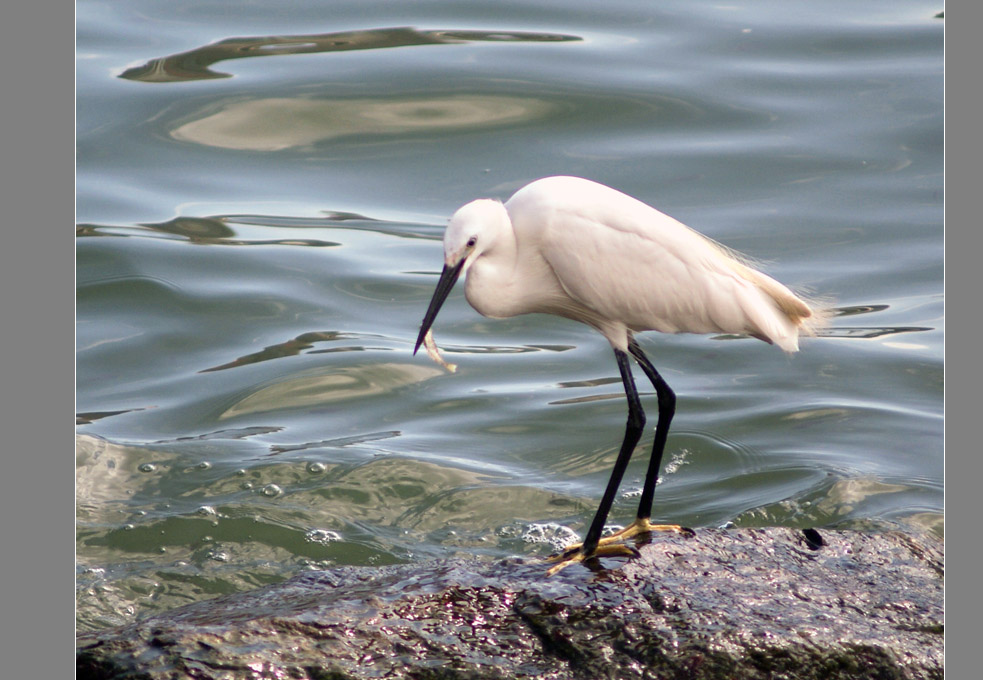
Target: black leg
[(613, 546), (633, 432), (667, 407)]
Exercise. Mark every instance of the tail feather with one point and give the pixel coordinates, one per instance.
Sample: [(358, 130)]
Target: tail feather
[(793, 316)]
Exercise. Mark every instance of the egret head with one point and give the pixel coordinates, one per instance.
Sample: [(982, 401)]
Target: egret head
[(471, 231)]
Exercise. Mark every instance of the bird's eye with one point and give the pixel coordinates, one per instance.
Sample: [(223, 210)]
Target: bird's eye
[(472, 241)]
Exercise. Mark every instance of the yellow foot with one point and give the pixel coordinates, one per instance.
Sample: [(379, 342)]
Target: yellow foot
[(575, 554), (612, 546), (643, 526)]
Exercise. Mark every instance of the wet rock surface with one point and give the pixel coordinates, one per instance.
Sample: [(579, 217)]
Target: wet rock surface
[(743, 603)]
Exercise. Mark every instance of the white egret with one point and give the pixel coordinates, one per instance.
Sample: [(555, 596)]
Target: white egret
[(581, 250)]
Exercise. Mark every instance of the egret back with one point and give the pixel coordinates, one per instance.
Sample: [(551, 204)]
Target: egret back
[(634, 268)]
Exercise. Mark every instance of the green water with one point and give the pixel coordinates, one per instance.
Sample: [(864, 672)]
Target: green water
[(261, 196)]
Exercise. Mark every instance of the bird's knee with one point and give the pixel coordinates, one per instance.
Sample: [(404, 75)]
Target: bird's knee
[(667, 399), (667, 402)]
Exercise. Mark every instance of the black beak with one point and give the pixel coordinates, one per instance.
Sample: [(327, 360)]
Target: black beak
[(448, 277)]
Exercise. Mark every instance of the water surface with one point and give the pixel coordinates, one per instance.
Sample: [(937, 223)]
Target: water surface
[(261, 196)]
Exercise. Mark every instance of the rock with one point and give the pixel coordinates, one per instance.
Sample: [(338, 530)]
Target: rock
[(735, 604)]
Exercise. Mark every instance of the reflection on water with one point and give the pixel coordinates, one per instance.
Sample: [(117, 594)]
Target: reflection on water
[(318, 387), (846, 494), (226, 434), (201, 230), (289, 348), (858, 309), (219, 229), (105, 476), (336, 443), (194, 64), (93, 416), (278, 123), (865, 332)]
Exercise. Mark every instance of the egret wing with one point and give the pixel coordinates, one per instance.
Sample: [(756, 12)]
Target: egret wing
[(632, 267), (651, 272)]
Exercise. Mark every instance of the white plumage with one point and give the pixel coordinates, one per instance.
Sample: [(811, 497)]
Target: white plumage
[(578, 249)]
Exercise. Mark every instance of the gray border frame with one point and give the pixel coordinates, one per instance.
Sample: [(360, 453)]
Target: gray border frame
[(37, 183)]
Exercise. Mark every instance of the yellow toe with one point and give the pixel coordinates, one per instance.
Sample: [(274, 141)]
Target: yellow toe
[(640, 527), (613, 545)]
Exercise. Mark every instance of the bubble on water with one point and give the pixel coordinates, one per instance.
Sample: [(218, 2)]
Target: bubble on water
[(204, 465), (147, 467), (271, 490), (241, 472), (676, 461), (316, 468), (219, 556), (322, 536), (128, 527), (246, 486), (555, 535), (610, 529), (206, 511)]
